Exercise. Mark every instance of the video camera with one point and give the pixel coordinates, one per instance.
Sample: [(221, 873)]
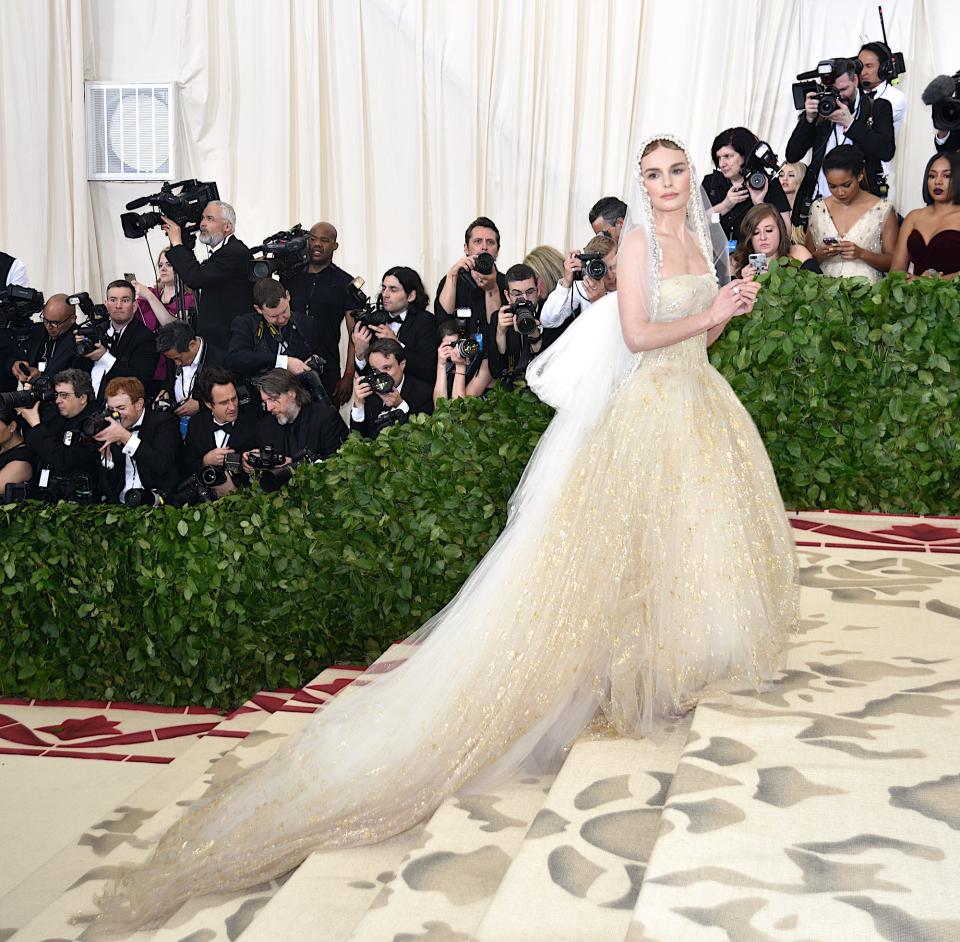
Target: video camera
[(760, 166), (944, 94), (94, 329), (371, 314), (184, 207), (284, 253), (18, 305)]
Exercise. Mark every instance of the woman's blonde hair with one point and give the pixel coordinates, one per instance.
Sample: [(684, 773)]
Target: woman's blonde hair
[(547, 262)]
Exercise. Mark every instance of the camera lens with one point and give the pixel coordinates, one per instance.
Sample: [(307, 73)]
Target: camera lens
[(484, 263), (596, 268), (468, 348)]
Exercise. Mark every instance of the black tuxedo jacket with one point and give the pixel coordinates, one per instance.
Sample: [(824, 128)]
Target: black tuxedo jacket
[(951, 143), (156, 457), (254, 343), (47, 442), (418, 334), (318, 429), (223, 283), (872, 132), (200, 438), (415, 393), (209, 356), (136, 355)]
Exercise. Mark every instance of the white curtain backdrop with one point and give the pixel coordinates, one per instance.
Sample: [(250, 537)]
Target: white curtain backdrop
[(401, 120)]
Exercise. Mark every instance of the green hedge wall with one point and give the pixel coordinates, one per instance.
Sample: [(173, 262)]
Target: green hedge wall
[(853, 388)]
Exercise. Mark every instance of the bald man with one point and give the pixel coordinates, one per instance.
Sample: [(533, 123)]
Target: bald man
[(320, 293)]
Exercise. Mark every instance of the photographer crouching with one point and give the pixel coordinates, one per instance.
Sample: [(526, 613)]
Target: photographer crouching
[(385, 395)]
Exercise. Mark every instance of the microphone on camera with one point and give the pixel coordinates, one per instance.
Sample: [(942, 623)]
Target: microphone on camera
[(940, 88), (139, 202)]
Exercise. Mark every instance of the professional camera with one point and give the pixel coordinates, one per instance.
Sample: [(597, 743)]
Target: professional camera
[(265, 459), (467, 347), (379, 382), (760, 166), (593, 265), (388, 418), (944, 94), (18, 305), (483, 263), (141, 497), (162, 405), (94, 329), (192, 491), (284, 253), (828, 98), (41, 390), (525, 313), (76, 486), (310, 380), (94, 424), (369, 313), (184, 207)]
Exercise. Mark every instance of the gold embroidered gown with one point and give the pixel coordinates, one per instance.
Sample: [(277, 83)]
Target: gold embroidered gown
[(655, 564)]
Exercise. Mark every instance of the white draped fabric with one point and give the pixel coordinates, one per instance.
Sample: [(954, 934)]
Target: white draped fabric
[(401, 120)]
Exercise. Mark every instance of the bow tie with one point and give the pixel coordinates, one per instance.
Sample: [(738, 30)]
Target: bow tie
[(872, 94), (226, 427)]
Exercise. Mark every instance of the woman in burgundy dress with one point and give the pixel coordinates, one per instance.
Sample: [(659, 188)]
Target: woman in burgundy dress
[(929, 242)]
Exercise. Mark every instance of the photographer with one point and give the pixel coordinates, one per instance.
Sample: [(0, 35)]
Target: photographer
[(222, 427), (857, 119), (460, 372), (127, 348), (12, 271), (64, 462), (877, 70), (320, 292), (473, 290), (16, 458), (405, 301), (141, 448), (221, 279), (519, 333), (274, 337), (189, 354), (726, 186), (294, 423), (576, 291), (374, 409), (943, 95), (606, 217)]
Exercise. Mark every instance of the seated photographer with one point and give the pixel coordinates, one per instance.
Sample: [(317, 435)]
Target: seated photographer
[(158, 305), (378, 403), (405, 301), (857, 120), (126, 347), (295, 424), (851, 232), (462, 370), (222, 278), (929, 241), (519, 333), (140, 447), (577, 289), (66, 463), (320, 292), (222, 427), (607, 215), (16, 458), (726, 186), (274, 337), (473, 290), (188, 354), (763, 238)]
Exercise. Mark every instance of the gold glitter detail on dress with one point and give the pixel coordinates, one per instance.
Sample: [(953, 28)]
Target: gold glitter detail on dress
[(665, 569)]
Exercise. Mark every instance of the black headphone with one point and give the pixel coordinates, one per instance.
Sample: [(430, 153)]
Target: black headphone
[(886, 71)]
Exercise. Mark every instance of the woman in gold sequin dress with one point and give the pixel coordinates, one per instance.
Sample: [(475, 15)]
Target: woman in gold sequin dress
[(646, 560)]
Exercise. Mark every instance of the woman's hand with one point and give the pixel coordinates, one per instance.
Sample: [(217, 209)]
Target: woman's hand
[(733, 299), (748, 271), (848, 251), (735, 196)]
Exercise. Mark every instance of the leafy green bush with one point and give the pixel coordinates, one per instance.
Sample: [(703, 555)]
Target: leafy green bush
[(853, 388), (211, 603)]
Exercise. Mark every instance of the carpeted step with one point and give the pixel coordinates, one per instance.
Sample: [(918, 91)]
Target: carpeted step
[(577, 873), (827, 807)]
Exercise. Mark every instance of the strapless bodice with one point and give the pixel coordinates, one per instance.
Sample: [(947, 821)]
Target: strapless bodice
[(681, 296), (941, 253)]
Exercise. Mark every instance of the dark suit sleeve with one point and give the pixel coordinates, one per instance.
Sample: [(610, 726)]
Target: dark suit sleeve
[(138, 359), (421, 349), (331, 433), (157, 454), (877, 141), (418, 395), (245, 355), (801, 140), (439, 311), (223, 267), (951, 143)]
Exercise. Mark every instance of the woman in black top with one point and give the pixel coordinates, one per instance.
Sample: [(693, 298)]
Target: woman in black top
[(16, 459), (727, 187)]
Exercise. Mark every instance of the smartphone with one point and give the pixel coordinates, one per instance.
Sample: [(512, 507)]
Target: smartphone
[(830, 240), (130, 276), (757, 261)]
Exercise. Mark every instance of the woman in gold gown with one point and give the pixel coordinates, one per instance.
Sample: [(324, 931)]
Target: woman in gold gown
[(646, 560)]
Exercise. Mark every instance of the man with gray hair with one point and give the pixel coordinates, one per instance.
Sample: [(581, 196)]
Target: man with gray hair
[(221, 280), (295, 424)]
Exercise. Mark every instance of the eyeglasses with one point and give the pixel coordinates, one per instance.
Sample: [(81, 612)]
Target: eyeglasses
[(531, 294), (51, 323), (64, 395)]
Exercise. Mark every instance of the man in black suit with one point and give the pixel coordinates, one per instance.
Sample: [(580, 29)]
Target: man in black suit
[(945, 141), (273, 336), (294, 423), (140, 449), (128, 347), (864, 122), (372, 411), (222, 280), (188, 355)]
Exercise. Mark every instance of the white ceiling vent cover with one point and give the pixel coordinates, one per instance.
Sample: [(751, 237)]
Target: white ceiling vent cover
[(129, 131)]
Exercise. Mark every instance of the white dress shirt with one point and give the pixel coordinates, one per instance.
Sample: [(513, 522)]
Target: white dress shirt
[(395, 326), (106, 362), (898, 102), (187, 375), (131, 476), (560, 303)]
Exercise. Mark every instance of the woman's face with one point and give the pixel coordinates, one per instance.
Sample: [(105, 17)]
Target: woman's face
[(938, 180), (766, 237), (394, 297), (788, 179), (666, 178), (729, 162), (164, 269), (844, 186), (8, 430)]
